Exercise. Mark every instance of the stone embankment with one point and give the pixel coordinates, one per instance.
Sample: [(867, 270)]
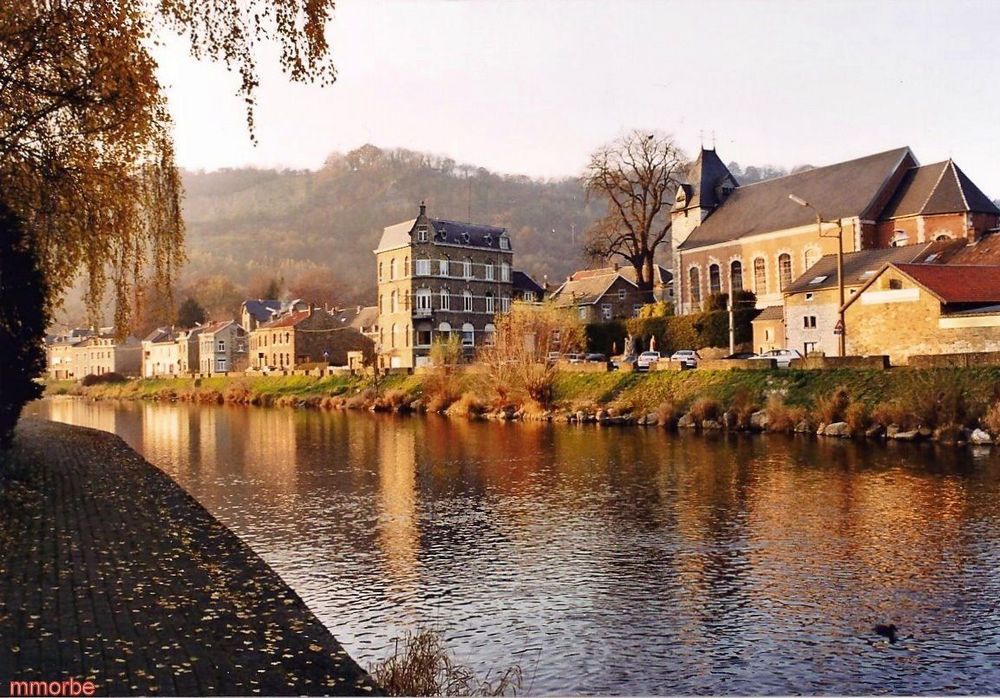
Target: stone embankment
[(111, 573)]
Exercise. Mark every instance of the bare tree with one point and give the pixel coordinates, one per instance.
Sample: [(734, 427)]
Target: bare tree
[(637, 176)]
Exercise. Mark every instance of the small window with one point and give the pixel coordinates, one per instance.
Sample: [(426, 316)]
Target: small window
[(621, 294), (489, 303), (489, 272), (222, 345), (443, 267), (809, 296), (606, 311), (809, 322), (895, 284), (816, 280), (467, 301), (504, 243), (421, 234), (465, 238), (423, 267)]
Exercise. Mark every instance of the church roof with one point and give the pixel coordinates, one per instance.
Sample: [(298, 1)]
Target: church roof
[(938, 188), (842, 190)]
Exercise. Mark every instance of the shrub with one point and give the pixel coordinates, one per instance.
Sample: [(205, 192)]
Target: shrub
[(938, 399), (782, 417), (704, 409), (831, 408), (893, 412), (467, 406), (856, 416), (105, 378), (743, 405), (991, 420), (667, 413), (423, 667)]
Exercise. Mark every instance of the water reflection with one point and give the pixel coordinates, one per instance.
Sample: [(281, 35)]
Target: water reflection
[(615, 561)]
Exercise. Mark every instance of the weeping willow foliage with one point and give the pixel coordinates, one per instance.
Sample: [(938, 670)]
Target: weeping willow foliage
[(86, 155)]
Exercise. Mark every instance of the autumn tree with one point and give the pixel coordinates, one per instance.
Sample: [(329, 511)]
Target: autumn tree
[(636, 176), (86, 156), (316, 285), (190, 313)]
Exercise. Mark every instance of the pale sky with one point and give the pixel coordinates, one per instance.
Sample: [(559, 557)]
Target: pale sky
[(533, 86)]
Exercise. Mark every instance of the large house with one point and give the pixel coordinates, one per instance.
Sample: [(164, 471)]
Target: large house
[(222, 347), (305, 337), (161, 354), (729, 237), (102, 354), (934, 309), (609, 293), (437, 278), (256, 312)]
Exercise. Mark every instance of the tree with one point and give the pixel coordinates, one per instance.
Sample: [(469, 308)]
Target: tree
[(86, 156), (218, 295), (316, 285), (23, 320), (636, 176), (190, 313)]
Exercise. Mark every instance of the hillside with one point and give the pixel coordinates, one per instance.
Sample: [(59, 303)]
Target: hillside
[(250, 223)]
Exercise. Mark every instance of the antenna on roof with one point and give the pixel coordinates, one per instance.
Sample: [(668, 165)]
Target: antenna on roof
[(469, 180), (701, 138), (713, 139)]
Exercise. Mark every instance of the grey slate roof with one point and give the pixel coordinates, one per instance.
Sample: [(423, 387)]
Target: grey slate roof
[(160, 334), (704, 176), (444, 232), (771, 312), (938, 188), (360, 317), (522, 282), (841, 190), (586, 290), (262, 310), (860, 266)]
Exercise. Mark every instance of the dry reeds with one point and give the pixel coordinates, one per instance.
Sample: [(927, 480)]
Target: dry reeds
[(782, 417), (704, 409), (423, 667)]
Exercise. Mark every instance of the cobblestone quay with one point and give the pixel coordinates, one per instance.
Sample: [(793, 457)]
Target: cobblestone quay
[(109, 571)]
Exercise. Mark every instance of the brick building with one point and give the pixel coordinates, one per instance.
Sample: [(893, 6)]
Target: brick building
[(727, 236), (438, 278), (908, 309), (305, 337), (222, 347)]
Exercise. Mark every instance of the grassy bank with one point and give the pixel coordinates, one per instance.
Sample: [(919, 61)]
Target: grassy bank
[(935, 399)]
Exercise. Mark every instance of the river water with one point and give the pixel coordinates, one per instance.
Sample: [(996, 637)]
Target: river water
[(607, 560)]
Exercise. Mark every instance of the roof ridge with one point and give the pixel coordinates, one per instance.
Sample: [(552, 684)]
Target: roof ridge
[(958, 183), (823, 167)]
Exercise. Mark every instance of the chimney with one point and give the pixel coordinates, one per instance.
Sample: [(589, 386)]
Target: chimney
[(615, 265), (312, 309), (359, 310), (423, 208)]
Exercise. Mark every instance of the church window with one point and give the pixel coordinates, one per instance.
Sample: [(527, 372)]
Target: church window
[(759, 276), (784, 270), (736, 276), (695, 280), (714, 279)]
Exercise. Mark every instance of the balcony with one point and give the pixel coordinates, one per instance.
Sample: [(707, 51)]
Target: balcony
[(422, 312)]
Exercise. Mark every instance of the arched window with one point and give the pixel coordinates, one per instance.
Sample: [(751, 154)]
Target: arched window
[(406, 335), (489, 271), (759, 276), (490, 303), (381, 308), (714, 279), (467, 301), (899, 238), (943, 236), (468, 335), (380, 271), (443, 267), (392, 269), (695, 280), (467, 268), (445, 299), (810, 257), (406, 266), (784, 270), (489, 335), (504, 271), (393, 301), (392, 336), (736, 276), (444, 330)]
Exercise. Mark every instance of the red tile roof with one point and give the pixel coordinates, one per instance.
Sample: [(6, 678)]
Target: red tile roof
[(985, 252), (954, 283), (289, 320)]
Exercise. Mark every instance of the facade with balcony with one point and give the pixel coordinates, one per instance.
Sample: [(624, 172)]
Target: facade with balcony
[(438, 279)]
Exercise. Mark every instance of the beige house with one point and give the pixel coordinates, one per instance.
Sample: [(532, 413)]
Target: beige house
[(599, 295), (222, 348), (909, 309), (437, 279), (188, 342), (102, 354), (768, 329), (254, 313), (161, 354), (812, 301), (312, 336)]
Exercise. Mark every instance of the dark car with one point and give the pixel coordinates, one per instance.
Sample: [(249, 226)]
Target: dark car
[(741, 355), (596, 358)]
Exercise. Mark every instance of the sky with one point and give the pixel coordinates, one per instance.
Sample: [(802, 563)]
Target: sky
[(532, 87)]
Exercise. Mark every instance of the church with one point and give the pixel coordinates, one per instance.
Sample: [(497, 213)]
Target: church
[(727, 237)]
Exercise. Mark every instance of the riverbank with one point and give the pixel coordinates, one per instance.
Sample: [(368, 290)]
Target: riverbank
[(945, 404), (110, 572)]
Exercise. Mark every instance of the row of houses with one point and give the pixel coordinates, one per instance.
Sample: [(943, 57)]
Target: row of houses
[(284, 336)]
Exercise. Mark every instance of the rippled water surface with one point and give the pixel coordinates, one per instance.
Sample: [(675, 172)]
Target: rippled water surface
[(608, 560)]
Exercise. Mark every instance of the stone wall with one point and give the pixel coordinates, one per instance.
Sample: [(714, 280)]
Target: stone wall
[(821, 363)]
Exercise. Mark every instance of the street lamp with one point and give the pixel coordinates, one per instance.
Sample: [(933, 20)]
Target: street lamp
[(841, 330)]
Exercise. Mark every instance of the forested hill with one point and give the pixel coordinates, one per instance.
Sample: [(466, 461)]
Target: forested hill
[(249, 223)]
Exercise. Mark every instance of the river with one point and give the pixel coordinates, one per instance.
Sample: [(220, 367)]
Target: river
[(607, 560)]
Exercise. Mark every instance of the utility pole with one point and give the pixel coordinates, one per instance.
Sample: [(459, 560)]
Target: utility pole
[(732, 326)]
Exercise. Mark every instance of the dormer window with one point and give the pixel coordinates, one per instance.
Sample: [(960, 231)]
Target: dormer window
[(465, 238), (488, 240), (422, 234), (504, 243)]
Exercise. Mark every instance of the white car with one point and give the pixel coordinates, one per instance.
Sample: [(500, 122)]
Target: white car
[(645, 359), (782, 357), (688, 357)]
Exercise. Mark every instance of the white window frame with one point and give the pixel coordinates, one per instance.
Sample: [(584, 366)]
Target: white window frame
[(504, 304), (467, 301), (467, 269), (220, 345), (490, 303), (443, 267), (444, 299), (423, 299), (220, 365), (504, 271), (489, 271), (607, 311)]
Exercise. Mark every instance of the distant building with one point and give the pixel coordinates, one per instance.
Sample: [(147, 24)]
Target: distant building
[(189, 345), (101, 354), (254, 313), (768, 329), (526, 289), (437, 278), (306, 337), (609, 293), (61, 355), (222, 347), (729, 237), (908, 309)]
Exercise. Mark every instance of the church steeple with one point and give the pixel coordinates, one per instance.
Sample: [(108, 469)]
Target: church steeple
[(707, 184)]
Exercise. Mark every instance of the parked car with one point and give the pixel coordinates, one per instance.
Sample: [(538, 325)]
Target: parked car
[(688, 357), (573, 358), (645, 359), (782, 357), (618, 361), (740, 355), (552, 357), (596, 358)]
